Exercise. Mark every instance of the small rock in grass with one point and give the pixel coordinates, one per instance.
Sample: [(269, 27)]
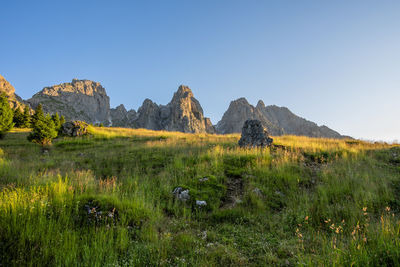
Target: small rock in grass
[(182, 195), (258, 192), (201, 203), (204, 179)]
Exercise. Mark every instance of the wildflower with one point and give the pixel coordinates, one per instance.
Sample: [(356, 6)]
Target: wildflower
[(387, 209), (364, 209)]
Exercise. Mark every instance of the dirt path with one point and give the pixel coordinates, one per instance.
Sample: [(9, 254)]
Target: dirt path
[(234, 192)]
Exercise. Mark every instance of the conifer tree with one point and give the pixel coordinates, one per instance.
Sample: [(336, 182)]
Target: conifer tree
[(18, 118), (39, 115), (26, 118), (43, 131), (56, 120), (6, 115), (62, 120)]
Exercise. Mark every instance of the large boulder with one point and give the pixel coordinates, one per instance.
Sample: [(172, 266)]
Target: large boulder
[(254, 134), (74, 128)]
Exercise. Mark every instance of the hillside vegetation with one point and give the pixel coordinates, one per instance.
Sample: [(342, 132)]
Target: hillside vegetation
[(106, 200)]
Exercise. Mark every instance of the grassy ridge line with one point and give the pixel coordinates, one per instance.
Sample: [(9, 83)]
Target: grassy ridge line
[(318, 201)]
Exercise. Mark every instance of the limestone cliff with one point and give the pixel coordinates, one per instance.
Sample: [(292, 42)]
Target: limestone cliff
[(120, 117), (184, 114), (79, 100), (14, 100)]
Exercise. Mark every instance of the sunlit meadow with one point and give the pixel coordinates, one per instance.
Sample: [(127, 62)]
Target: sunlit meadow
[(106, 200)]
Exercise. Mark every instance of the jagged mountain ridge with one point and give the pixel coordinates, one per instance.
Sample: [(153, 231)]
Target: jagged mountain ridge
[(278, 120), (87, 100), (183, 113), (78, 100)]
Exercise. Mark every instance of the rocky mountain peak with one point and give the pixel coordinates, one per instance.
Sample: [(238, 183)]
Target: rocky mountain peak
[(183, 113), (121, 108), (260, 104), (183, 94), (5, 86), (238, 112), (85, 87), (14, 100), (78, 100), (239, 102)]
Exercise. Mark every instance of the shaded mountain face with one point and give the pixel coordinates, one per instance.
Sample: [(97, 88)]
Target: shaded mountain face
[(14, 100), (293, 124), (238, 112), (78, 100), (120, 117), (278, 120)]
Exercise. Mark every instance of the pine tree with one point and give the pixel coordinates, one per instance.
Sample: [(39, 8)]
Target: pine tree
[(39, 115), (26, 118), (62, 120), (18, 118), (6, 116), (43, 131), (56, 120)]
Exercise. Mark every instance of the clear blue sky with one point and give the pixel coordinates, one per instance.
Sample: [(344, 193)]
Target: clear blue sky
[(333, 62)]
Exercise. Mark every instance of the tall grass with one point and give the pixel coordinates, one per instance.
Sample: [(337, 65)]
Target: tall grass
[(106, 200)]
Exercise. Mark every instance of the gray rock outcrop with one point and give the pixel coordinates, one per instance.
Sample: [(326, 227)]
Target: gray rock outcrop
[(79, 100), (74, 128), (14, 100), (120, 117), (254, 134), (181, 194)]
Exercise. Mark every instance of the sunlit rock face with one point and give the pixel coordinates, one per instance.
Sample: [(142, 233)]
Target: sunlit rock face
[(78, 100), (183, 114), (14, 100)]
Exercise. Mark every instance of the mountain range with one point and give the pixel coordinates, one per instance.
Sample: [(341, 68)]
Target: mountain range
[(87, 100)]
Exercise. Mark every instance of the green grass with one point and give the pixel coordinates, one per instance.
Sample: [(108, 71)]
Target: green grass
[(106, 200)]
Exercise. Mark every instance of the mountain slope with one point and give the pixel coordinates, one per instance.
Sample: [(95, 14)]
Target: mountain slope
[(278, 120)]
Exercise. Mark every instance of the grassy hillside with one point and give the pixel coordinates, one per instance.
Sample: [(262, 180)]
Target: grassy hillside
[(106, 200)]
